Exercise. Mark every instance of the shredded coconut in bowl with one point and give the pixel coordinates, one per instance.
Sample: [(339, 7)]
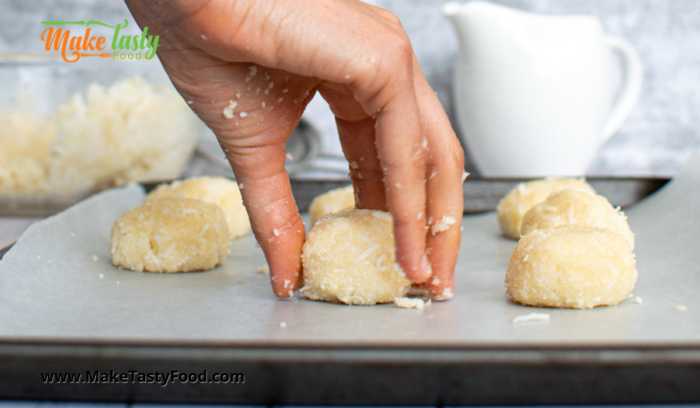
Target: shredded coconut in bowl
[(131, 130)]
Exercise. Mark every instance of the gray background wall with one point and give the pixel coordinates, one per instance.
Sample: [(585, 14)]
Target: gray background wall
[(661, 132)]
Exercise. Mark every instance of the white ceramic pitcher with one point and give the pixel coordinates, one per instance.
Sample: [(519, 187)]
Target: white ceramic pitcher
[(534, 92)]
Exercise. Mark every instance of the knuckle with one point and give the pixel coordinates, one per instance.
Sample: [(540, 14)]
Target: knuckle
[(457, 156), (450, 156), (397, 43), (404, 222), (391, 18)]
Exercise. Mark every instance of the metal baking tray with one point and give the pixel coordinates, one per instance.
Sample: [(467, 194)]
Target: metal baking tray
[(61, 316), (480, 195)]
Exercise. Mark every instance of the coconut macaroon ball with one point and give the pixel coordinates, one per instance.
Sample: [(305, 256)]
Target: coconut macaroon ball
[(215, 190), (524, 196), (577, 207), (571, 266), (332, 202), (170, 235), (350, 259)]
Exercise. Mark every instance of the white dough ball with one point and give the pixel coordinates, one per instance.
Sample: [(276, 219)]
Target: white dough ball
[(215, 190), (170, 235), (577, 207), (332, 202), (350, 259), (572, 267), (524, 196)]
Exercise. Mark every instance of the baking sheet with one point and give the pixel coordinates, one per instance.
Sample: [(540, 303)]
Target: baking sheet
[(51, 289)]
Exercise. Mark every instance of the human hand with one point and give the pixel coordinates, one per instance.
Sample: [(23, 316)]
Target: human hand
[(251, 67)]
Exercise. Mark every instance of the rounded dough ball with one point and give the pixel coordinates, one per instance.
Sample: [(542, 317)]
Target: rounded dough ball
[(350, 259), (215, 190), (571, 266), (332, 202), (577, 207), (524, 196), (170, 235)]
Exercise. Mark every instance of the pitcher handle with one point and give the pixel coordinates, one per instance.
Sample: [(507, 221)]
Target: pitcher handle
[(631, 85)]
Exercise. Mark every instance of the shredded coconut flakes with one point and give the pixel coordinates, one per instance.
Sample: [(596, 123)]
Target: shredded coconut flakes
[(409, 303), (543, 317), (443, 224), (228, 111)]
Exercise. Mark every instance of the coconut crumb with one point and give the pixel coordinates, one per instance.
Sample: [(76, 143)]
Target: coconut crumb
[(399, 270), (637, 300), (409, 303), (240, 186), (367, 253), (204, 37), (228, 111), (276, 232), (379, 262), (283, 324), (190, 102), (95, 258), (681, 308), (263, 104), (253, 71), (433, 174), (446, 294), (263, 269), (244, 114), (288, 156), (464, 176), (354, 165), (532, 317), (443, 224), (101, 276)]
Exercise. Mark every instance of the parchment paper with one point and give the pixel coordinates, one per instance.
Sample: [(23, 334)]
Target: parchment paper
[(51, 289)]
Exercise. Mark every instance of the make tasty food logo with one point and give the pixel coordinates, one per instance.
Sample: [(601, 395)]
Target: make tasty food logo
[(84, 44)]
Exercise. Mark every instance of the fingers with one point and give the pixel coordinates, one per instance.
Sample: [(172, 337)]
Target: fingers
[(357, 140), (400, 148), (273, 213), (356, 131), (253, 110), (255, 144), (445, 206)]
